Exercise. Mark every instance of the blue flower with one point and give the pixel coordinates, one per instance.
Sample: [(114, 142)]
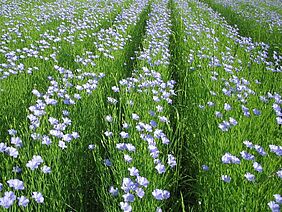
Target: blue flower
[(109, 118), (260, 150), (161, 194), (160, 168), (113, 191), (107, 162), (128, 197), (273, 206), (218, 114), (159, 209), (3, 147), (16, 141), (142, 181), (133, 171), (62, 144), (38, 197), (257, 167), (17, 169), (12, 152), (23, 201), (8, 199), (46, 170), (247, 156), (232, 121), (248, 144), (205, 167), (227, 107), (276, 149), (279, 120), (127, 158), (224, 126), (279, 173), (35, 162), (250, 177), (140, 192), (124, 134), (12, 132), (91, 146), (16, 184), (135, 116), (227, 158), (226, 178), (278, 198), (127, 185), (125, 206), (256, 112), (171, 161), (115, 89)]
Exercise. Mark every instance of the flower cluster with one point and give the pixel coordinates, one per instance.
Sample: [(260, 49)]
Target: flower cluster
[(144, 132)]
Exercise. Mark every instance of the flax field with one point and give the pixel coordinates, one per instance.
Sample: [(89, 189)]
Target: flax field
[(140, 105)]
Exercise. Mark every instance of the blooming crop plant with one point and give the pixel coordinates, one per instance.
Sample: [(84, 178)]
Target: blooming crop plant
[(133, 105)]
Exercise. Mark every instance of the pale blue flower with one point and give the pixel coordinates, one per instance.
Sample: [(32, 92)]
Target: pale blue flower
[(16, 141), (62, 144), (46, 169), (250, 177), (248, 144), (128, 197), (257, 167), (113, 191), (278, 198), (35, 162), (142, 181), (23, 201), (124, 134), (161, 194), (276, 149), (226, 178), (130, 147), (159, 209), (91, 146), (260, 150), (274, 207), (107, 162), (171, 160), (135, 116), (232, 121), (12, 132), (127, 158), (227, 107), (247, 156), (133, 171), (16, 184), (227, 158), (160, 168), (115, 89), (8, 200), (279, 173), (205, 167), (218, 114), (38, 197), (109, 118), (125, 206), (127, 185), (3, 147), (13, 152), (140, 192)]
